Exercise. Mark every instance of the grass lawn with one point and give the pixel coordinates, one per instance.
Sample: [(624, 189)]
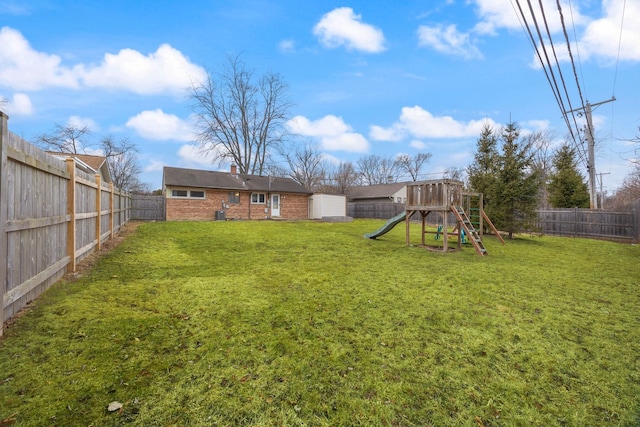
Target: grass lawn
[(303, 323)]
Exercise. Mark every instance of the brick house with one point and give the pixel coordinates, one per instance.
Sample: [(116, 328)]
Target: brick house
[(193, 194)]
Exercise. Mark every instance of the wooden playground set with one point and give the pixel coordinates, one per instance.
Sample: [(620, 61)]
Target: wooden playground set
[(442, 197)]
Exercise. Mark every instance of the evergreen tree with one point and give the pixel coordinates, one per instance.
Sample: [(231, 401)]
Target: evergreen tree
[(482, 172), (518, 183), (567, 188), (506, 177)]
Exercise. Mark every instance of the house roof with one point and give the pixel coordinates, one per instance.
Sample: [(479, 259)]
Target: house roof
[(375, 191), (179, 177), (92, 163)]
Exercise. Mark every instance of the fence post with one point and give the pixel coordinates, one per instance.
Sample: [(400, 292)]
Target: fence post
[(111, 215), (4, 140), (636, 221), (99, 210), (71, 211)]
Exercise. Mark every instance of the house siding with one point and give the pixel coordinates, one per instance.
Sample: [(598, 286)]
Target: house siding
[(292, 206)]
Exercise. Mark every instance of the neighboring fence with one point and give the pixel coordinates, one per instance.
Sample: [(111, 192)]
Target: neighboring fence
[(148, 208), (386, 210), (597, 224), (379, 210), (52, 215)]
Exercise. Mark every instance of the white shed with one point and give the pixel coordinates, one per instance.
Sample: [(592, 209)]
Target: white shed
[(327, 205)]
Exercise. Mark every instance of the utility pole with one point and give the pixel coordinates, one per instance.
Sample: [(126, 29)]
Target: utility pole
[(602, 189), (591, 166)]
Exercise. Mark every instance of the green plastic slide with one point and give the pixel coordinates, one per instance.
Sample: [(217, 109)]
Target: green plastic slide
[(387, 226)]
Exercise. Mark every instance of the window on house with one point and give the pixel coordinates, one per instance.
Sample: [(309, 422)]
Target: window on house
[(399, 199), (234, 198), (194, 194), (258, 198)]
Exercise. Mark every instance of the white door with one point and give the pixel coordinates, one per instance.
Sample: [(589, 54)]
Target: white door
[(275, 205)]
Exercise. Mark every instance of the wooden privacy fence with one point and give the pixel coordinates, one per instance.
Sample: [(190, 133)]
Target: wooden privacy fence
[(148, 208), (52, 215), (597, 224), (382, 210), (379, 210)]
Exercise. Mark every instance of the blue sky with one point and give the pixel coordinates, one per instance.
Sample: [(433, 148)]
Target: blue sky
[(365, 77)]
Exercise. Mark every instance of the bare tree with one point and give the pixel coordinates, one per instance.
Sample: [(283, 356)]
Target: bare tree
[(306, 165), (636, 142), (412, 165), (120, 153), (629, 191), (240, 120), (453, 173), (374, 169), (68, 139), (542, 161), (343, 178), (125, 170)]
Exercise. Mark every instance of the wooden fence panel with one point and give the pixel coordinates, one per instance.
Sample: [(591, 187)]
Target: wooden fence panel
[(148, 208), (598, 224), (47, 221), (105, 211), (33, 221)]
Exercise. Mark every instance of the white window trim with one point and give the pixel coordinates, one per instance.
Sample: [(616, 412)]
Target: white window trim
[(264, 195), (188, 196)]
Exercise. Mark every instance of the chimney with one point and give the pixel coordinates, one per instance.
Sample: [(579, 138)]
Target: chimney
[(234, 169)]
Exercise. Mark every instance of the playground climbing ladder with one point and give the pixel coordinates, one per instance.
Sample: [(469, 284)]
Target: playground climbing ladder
[(474, 237)]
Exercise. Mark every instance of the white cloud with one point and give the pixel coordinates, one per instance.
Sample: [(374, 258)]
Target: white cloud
[(331, 131), (154, 166), (19, 105), (448, 40), (538, 125), (81, 122), (23, 68), (417, 144), (602, 36), (597, 37), (495, 14), (417, 122), (158, 125), (165, 70), (192, 155), (333, 160), (342, 27), (378, 133), (287, 46)]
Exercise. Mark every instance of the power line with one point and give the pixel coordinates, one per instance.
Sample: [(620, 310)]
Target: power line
[(615, 77), (575, 37), (549, 73)]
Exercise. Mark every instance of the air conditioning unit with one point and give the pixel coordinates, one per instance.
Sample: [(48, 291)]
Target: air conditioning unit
[(220, 216)]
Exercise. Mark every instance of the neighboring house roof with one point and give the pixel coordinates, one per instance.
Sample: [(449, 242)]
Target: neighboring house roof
[(179, 177), (375, 191), (90, 163)]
